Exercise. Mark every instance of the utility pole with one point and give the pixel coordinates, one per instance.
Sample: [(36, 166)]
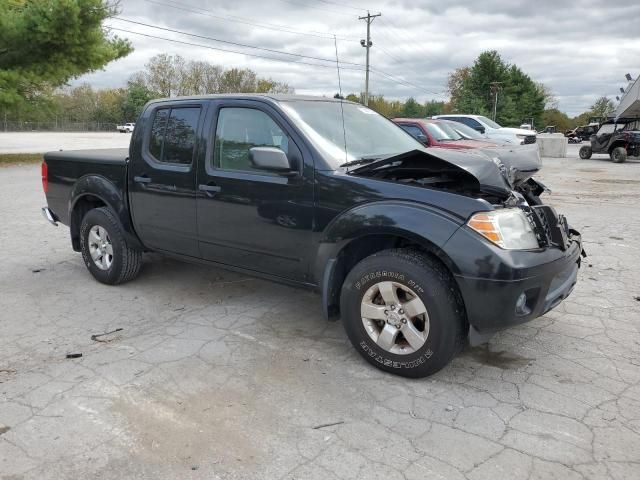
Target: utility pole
[(495, 87), (367, 44)]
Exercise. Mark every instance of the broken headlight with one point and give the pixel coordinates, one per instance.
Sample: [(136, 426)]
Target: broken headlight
[(508, 228)]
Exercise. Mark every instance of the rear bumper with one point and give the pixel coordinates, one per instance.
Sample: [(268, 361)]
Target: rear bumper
[(49, 216), (491, 295)]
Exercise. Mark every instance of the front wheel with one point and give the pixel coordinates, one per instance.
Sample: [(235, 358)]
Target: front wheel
[(585, 153), (402, 311), (104, 249), (619, 155)]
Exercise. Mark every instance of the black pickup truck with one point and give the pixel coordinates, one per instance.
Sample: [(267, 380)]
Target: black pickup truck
[(415, 249)]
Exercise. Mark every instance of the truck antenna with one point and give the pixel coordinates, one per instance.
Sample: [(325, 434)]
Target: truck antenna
[(344, 132)]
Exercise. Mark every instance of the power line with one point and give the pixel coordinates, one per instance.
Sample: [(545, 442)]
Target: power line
[(230, 51), (299, 55), (344, 65), (247, 21)]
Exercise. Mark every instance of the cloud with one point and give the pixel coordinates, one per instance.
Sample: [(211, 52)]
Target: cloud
[(581, 50)]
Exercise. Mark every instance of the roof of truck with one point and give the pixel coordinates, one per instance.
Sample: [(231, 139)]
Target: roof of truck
[(281, 97)]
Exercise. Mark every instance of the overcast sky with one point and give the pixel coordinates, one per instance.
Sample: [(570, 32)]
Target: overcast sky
[(580, 49)]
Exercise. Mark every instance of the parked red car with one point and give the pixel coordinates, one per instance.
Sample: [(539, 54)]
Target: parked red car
[(438, 133)]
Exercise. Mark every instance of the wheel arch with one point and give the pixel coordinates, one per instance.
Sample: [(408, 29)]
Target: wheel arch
[(426, 230), (616, 144), (95, 191)]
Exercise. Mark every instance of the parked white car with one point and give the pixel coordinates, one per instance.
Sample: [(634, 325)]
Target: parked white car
[(492, 130), (126, 128)]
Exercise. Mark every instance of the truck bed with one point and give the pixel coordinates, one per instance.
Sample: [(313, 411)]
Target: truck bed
[(103, 155), (66, 167)]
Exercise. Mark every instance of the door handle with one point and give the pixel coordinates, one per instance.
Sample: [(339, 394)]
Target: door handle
[(142, 179), (209, 190)]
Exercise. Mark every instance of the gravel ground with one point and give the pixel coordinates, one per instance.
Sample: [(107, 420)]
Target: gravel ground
[(219, 376)]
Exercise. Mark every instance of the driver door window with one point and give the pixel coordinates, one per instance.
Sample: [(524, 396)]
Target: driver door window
[(240, 129)]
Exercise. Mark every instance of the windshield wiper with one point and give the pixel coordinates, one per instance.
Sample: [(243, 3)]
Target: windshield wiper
[(360, 161)]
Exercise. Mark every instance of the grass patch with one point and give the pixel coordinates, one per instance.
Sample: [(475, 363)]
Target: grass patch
[(17, 158)]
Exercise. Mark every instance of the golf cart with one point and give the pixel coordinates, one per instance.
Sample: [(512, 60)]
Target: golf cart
[(617, 138)]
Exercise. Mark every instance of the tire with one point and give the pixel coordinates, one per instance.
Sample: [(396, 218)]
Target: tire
[(116, 262), (619, 155), (585, 152), (410, 274)]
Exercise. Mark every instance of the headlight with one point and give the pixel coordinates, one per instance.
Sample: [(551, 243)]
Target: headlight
[(508, 228)]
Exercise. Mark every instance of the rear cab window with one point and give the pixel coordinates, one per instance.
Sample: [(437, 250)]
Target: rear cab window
[(172, 138)]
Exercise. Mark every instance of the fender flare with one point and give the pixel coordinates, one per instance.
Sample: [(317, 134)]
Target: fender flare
[(423, 225), (106, 191)]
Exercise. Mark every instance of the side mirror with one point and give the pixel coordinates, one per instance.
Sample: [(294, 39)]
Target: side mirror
[(480, 129), (269, 158)]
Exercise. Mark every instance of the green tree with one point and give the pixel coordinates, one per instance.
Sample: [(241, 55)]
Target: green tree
[(412, 109), (45, 43), (553, 116), (434, 107), (602, 108), (455, 82), (474, 91), (137, 95)]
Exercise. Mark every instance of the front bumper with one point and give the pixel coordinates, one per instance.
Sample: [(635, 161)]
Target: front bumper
[(492, 281)]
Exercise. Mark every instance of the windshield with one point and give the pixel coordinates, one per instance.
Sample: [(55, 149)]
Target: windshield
[(488, 122), (442, 131), (366, 134), (467, 132)]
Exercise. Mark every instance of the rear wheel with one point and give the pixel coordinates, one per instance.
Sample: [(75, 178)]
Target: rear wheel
[(403, 313), (619, 154), (585, 152), (104, 249)]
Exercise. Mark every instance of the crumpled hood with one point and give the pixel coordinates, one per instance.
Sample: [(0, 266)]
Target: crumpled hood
[(517, 163), (501, 167)]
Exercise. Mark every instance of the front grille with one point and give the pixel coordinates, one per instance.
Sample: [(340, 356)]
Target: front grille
[(551, 228), (530, 139)]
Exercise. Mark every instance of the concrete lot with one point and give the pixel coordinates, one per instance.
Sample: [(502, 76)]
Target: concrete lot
[(218, 376), (41, 142)]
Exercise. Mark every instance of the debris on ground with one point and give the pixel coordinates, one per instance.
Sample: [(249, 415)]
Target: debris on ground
[(38, 270), (96, 337), (324, 425), (637, 298), (74, 355), (4, 429)]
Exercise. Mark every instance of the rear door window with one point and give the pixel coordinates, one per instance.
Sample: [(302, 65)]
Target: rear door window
[(173, 135)]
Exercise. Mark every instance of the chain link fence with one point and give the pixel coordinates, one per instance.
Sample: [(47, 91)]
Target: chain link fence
[(56, 126)]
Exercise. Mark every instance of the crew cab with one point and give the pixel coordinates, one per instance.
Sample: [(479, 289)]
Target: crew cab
[(493, 130), (415, 250), (617, 138), (126, 128)]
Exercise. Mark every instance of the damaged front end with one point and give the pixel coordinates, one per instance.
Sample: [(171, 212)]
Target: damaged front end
[(502, 176)]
